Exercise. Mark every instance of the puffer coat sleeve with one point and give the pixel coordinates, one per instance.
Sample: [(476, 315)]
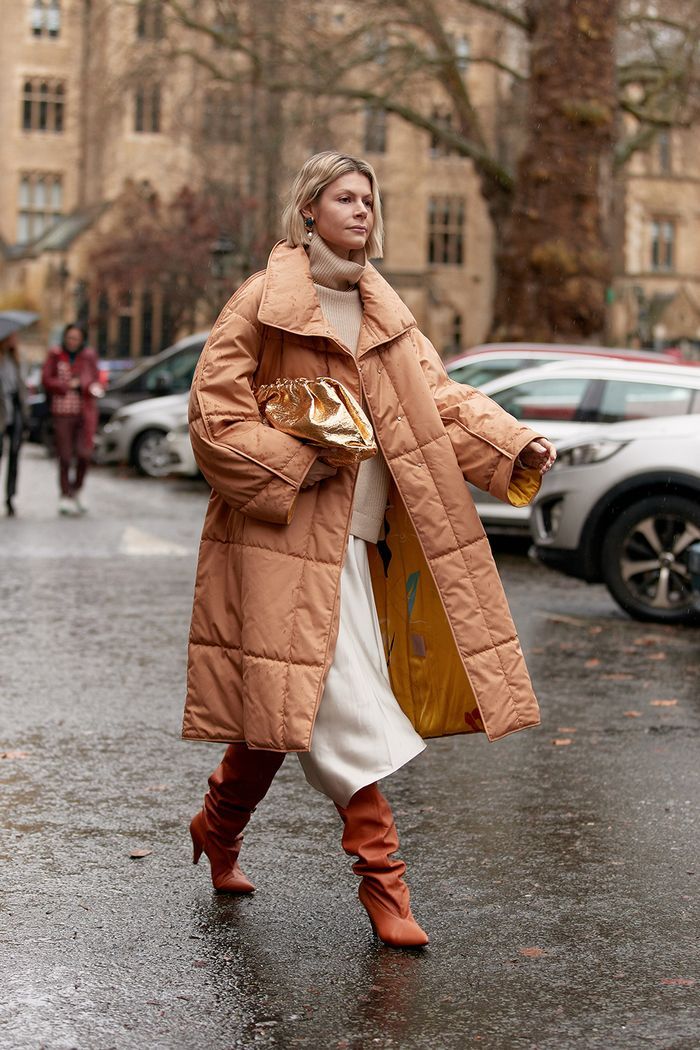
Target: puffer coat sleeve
[(258, 471), (487, 440)]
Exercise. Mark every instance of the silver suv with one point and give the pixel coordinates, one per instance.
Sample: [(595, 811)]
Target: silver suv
[(622, 505)]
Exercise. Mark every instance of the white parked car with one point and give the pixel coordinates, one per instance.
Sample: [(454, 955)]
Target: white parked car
[(562, 401), (490, 361), (622, 506), (136, 434), (182, 459)]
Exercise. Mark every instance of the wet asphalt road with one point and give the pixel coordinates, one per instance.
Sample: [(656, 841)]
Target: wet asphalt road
[(557, 871)]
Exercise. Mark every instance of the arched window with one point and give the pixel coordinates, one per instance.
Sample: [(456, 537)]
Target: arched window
[(663, 244), (147, 109), (58, 108), (27, 97), (39, 204), (43, 104), (438, 147), (446, 217), (40, 192)]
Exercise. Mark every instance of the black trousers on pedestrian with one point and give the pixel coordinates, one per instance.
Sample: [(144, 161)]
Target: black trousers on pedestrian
[(13, 438)]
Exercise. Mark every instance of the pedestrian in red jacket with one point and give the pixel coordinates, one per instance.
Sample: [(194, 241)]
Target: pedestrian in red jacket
[(71, 379)]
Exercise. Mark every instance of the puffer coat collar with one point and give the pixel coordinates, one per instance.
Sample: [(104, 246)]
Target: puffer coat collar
[(289, 301)]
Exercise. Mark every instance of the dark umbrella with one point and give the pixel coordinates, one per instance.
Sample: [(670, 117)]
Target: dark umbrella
[(14, 320)]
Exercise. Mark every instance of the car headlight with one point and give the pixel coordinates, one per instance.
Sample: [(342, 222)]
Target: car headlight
[(589, 452), (118, 419)]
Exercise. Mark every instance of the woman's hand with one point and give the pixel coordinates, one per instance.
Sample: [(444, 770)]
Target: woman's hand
[(319, 471), (539, 455)]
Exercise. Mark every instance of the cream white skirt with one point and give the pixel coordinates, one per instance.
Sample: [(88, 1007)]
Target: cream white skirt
[(361, 734)]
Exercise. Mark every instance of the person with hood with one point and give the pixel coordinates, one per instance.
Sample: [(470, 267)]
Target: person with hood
[(71, 380), (344, 613), (13, 414)]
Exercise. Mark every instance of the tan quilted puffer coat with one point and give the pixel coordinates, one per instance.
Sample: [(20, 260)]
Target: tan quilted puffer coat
[(265, 615)]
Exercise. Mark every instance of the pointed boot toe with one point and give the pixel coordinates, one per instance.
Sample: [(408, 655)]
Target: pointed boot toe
[(235, 879), (227, 875), (398, 931)]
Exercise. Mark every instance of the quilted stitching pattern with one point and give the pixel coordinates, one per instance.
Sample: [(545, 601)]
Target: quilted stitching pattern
[(266, 597)]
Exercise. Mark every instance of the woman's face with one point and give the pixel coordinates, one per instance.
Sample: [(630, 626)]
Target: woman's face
[(343, 215), (73, 339)]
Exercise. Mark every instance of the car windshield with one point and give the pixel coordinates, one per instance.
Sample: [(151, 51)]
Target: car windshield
[(135, 378), (174, 376), (476, 373), (167, 376)]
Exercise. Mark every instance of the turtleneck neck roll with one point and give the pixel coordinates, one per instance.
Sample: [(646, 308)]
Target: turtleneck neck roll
[(330, 271), (335, 281)]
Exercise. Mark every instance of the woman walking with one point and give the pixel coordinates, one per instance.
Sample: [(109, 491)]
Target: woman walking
[(13, 414), (71, 379), (311, 578)]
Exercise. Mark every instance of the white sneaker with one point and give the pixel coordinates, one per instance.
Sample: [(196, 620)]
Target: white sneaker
[(68, 506), (80, 504)]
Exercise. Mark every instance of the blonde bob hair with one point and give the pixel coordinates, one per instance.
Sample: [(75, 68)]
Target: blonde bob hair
[(318, 172)]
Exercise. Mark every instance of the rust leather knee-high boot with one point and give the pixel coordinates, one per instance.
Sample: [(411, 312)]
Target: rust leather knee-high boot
[(370, 834), (235, 787)]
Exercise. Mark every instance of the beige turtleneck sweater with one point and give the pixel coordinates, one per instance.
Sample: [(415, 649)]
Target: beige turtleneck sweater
[(335, 281)]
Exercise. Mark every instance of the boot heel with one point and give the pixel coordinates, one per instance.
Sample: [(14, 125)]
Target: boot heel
[(197, 844), (226, 873)]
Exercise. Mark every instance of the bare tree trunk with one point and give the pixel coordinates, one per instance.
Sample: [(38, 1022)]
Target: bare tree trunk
[(267, 135), (554, 262)]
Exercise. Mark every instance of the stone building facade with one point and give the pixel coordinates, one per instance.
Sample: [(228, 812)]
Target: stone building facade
[(90, 103), (657, 288)]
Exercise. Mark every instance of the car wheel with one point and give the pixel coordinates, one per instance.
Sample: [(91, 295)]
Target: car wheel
[(644, 559), (150, 454)]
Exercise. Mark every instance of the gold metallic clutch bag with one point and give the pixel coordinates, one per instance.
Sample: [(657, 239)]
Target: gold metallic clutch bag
[(322, 412)]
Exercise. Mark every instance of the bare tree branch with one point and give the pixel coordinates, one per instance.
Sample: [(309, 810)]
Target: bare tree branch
[(654, 20), (655, 119), (503, 11), (626, 149), (487, 60), (444, 134)]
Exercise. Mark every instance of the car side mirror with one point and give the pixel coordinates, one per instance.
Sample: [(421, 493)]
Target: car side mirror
[(163, 384)]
